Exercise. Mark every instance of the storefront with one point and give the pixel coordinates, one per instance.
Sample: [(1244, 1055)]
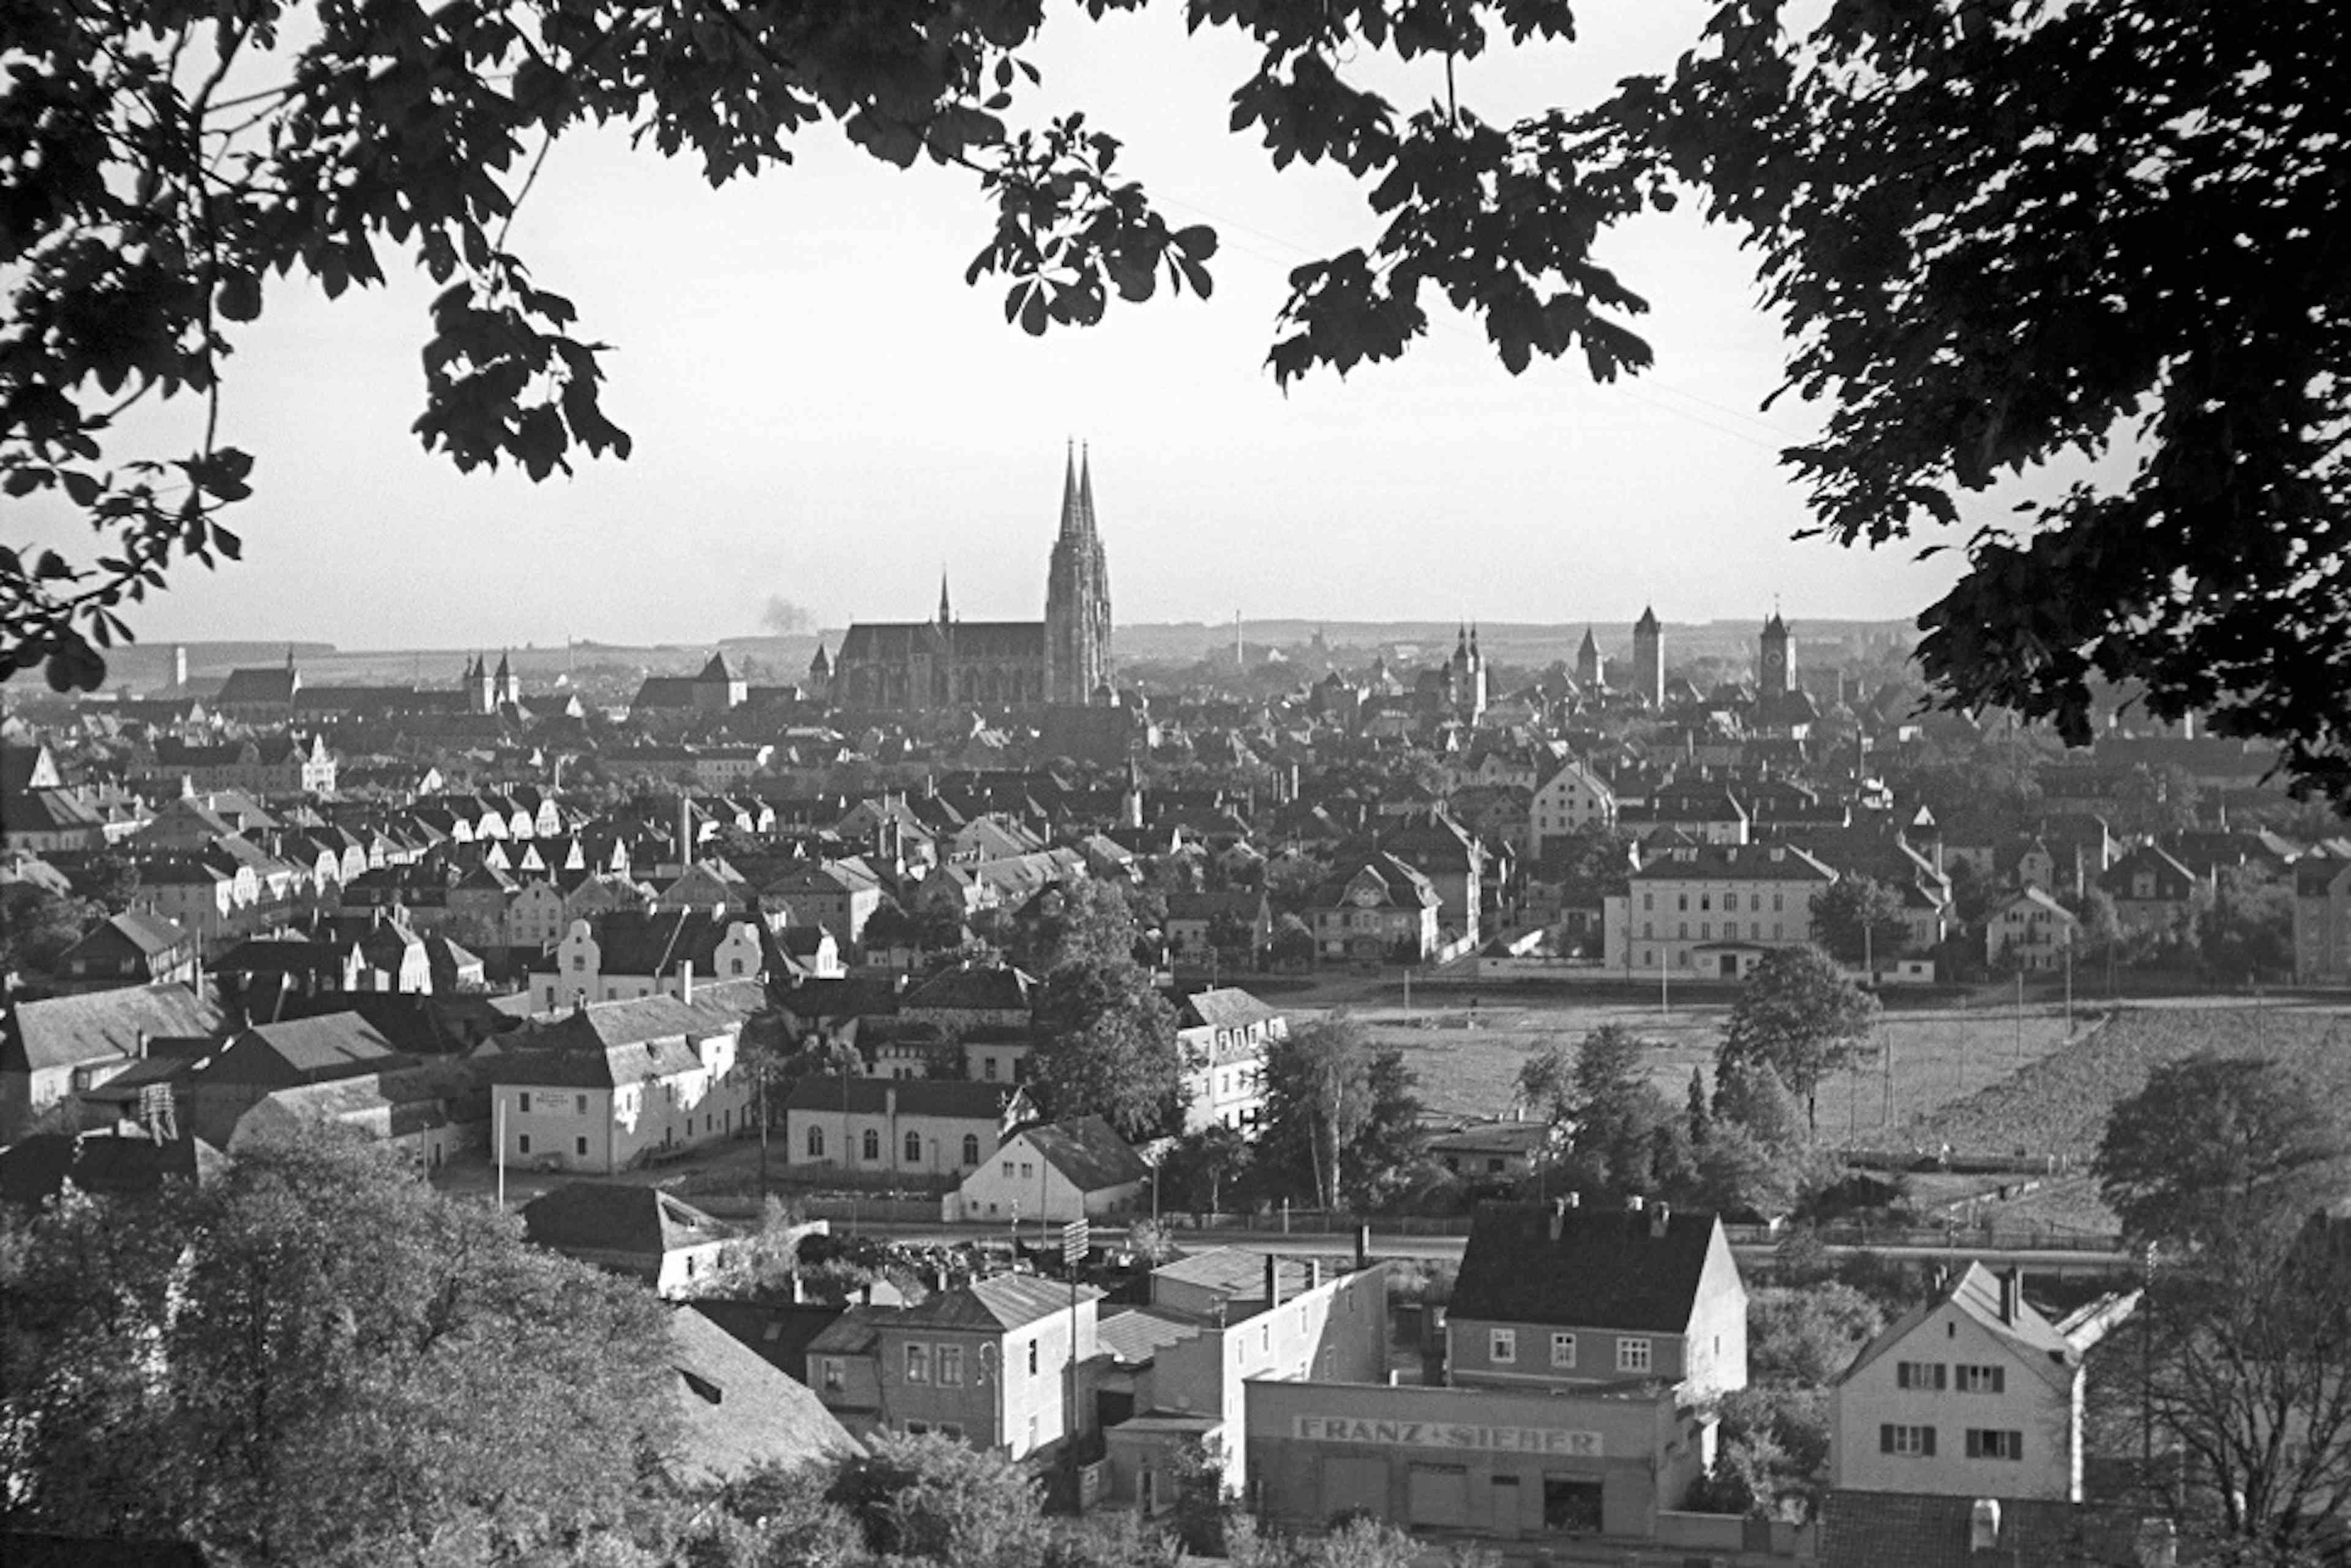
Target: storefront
[(1504, 1466)]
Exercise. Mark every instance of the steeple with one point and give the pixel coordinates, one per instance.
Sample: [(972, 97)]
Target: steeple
[(1086, 487), (1077, 506), (945, 614)]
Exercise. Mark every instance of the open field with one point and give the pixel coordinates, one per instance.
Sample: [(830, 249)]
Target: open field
[(1468, 1062)]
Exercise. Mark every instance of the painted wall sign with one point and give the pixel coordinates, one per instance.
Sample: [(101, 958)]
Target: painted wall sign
[(1457, 1436)]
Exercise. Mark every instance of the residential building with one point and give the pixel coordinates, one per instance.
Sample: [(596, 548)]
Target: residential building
[(1975, 1395), (133, 949), (1573, 799), (1222, 1035), (987, 1363), (2031, 930), (838, 897), (1561, 1297), (613, 1085), (735, 1414), (1376, 910), (642, 1233), (2151, 890), (2322, 919), (220, 1085), (932, 1128), (630, 953), (1056, 1172), (1713, 911), (53, 1049)]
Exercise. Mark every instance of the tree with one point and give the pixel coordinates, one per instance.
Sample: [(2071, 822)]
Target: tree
[(2249, 930), (935, 1499), (1294, 942), (209, 1363), (1627, 1139), (1106, 1046), (1202, 1169), (2216, 1145), (35, 928), (1859, 918), (1805, 1337), (1339, 1114), (1797, 1015)]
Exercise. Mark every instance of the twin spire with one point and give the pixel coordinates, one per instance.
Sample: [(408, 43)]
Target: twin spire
[(1077, 495)]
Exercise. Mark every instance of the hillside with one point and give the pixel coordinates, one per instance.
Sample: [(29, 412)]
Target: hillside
[(2059, 1105)]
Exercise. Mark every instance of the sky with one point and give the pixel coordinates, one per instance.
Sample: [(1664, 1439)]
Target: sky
[(825, 413)]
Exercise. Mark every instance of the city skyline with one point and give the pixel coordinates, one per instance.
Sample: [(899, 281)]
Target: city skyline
[(824, 413)]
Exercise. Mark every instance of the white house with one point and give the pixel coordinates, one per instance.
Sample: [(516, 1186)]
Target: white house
[(1973, 1395), (1571, 800), (1058, 1172), (609, 1086)]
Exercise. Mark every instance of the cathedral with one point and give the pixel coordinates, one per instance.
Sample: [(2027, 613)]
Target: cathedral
[(929, 665)]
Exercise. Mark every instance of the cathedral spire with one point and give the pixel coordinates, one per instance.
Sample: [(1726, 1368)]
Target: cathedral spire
[(1086, 487), (1074, 522), (944, 614)]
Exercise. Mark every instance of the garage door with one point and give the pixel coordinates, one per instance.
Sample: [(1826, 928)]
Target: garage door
[(1355, 1486), (1439, 1496)]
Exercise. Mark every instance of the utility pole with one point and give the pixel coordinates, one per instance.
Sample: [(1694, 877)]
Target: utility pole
[(2020, 1018)]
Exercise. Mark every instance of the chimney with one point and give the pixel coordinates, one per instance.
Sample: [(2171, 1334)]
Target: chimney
[(1363, 1247), (685, 982), (2011, 1294), (1660, 1216), (140, 1052), (1272, 1281), (1983, 1525)]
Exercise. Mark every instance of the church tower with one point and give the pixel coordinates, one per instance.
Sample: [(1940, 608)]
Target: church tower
[(1077, 597), (1776, 654), (1588, 663), (1649, 659)]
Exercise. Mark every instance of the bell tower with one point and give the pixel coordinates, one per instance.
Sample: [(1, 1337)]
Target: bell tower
[(1776, 650)]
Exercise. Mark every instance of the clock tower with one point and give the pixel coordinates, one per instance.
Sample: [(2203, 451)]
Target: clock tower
[(1776, 665)]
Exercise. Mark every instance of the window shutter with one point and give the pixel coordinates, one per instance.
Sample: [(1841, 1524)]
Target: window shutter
[(1928, 1432), (1942, 1376), (1974, 1444), (1886, 1437)]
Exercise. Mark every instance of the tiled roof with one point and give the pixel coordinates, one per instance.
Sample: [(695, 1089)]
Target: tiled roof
[(1136, 1335), (618, 1217), (982, 986), (950, 1097), (330, 1045), (1977, 1292), (1605, 1270), (1086, 1151), (1225, 1007), (1733, 862), (1231, 1272), (66, 1032), (777, 1332), (999, 1302), (736, 1413)]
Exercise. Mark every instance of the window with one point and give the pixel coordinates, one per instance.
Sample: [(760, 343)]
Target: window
[(1681, 902), (1705, 901), (580, 1104), (1648, 901), (917, 1428), (816, 1143), (1922, 1374), (1027, 1170), (1914, 1442), (1992, 1444), (987, 1068), (918, 1363), (971, 1148), (522, 1101), (523, 1143), (1632, 1355), (914, 1148), (1032, 1369), (1778, 901), (950, 1366), (832, 1377), (1501, 1346), (1983, 1380), (873, 1142), (579, 1147), (1562, 1350), (949, 1431)]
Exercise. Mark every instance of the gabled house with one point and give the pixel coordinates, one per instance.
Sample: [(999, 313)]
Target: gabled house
[(1057, 1171), (642, 1233), (1569, 1298), (614, 1085), (53, 1049), (2031, 930), (631, 953), (132, 948), (1975, 1395), (1222, 1035), (2151, 891), (734, 1412), (1376, 909), (986, 1363)]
